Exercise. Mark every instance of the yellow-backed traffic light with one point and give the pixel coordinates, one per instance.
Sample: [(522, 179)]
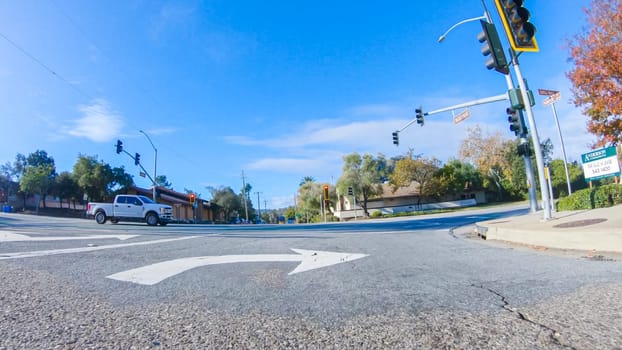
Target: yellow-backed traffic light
[(515, 20), (325, 192)]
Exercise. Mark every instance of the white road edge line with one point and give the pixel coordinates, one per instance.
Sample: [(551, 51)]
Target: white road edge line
[(21, 255), (17, 237)]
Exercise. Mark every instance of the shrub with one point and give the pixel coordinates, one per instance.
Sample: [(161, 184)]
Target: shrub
[(598, 197), (608, 195), (576, 201), (376, 214)]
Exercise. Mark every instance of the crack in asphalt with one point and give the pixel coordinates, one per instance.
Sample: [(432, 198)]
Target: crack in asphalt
[(553, 333), (452, 233)]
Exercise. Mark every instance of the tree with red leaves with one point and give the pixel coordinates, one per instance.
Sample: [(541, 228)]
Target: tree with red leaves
[(597, 75)]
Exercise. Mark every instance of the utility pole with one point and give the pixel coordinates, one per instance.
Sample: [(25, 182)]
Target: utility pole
[(258, 206), (244, 195)]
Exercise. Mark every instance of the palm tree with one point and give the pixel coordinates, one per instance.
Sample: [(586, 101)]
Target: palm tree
[(306, 180)]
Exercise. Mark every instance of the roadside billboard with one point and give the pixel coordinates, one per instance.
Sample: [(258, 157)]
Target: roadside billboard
[(600, 163)]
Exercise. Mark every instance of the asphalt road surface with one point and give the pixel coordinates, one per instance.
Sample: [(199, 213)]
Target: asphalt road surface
[(420, 282)]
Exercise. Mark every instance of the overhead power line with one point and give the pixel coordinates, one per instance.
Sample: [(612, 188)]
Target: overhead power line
[(44, 66)]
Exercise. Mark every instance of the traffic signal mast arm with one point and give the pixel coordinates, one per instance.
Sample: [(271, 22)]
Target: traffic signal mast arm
[(459, 106), (136, 161)]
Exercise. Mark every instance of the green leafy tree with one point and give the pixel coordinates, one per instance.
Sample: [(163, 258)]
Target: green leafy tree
[(121, 181), (162, 181), (308, 199), (513, 177), (364, 174), (558, 177), (488, 154), (19, 166), (8, 174), (227, 200), (420, 170), (457, 177), (36, 180), (38, 159), (245, 198), (65, 187), (5, 185), (307, 180), (98, 180), (14, 172), (9, 171), (290, 213)]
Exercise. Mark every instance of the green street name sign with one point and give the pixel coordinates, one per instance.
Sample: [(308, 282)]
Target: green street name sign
[(600, 163)]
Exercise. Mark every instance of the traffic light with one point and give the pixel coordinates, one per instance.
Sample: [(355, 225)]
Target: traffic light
[(350, 191), (136, 159), (515, 20), (326, 192), (493, 48), (516, 98), (515, 121), (396, 138), (419, 114), (192, 198), (523, 149), (119, 146)]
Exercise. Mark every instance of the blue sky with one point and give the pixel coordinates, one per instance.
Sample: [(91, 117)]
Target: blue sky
[(278, 90)]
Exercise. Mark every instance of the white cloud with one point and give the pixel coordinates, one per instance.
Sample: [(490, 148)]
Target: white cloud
[(292, 165), (320, 144), (98, 122), (326, 133), (281, 202), (161, 131)]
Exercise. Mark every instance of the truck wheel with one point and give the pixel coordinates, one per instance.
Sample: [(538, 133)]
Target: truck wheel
[(152, 219), (100, 217)]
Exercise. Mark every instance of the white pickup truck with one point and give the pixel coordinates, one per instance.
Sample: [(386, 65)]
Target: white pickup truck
[(129, 207)]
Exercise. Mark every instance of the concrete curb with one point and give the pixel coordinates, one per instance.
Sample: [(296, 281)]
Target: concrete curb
[(598, 229)]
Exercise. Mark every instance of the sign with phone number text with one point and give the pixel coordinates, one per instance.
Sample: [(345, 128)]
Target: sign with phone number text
[(600, 163)]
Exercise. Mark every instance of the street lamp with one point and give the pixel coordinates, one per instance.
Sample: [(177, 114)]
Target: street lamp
[(155, 163), (442, 37)]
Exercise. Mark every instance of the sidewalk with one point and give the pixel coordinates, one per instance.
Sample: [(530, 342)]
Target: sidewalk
[(597, 229)]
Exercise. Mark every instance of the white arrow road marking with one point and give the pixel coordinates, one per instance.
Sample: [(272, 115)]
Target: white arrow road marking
[(16, 237), (20, 255), (155, 273)]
